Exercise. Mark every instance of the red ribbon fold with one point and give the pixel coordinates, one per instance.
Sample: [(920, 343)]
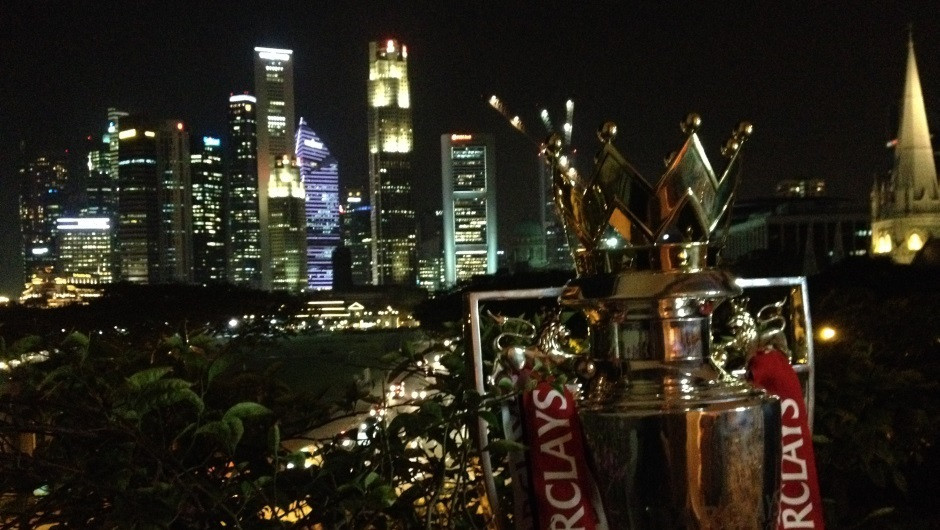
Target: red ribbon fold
[(564, 491), (800, 501)]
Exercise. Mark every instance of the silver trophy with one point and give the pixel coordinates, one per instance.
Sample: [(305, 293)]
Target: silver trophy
[(674, 441)]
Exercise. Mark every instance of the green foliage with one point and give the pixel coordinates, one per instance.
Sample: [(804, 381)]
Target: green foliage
[(125, 431), (877, 421)]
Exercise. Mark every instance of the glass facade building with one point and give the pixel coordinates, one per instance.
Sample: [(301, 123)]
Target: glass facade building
[(393, 221), (154, 222), (356, 231), (242, 201), (85, 250), (469, 197), (288, 227), (42, 201), (319, 173), (274, 90), (208, 226)]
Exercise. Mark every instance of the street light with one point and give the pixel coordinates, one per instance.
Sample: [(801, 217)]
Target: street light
[(827, 334)]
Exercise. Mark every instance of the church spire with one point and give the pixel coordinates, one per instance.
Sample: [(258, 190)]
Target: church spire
[(915, 173)]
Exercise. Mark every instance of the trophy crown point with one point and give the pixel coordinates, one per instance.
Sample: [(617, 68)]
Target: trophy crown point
[(691, 124), (607, 132), (553, 145)]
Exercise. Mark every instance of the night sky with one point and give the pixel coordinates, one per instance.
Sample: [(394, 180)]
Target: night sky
[(820, 81)]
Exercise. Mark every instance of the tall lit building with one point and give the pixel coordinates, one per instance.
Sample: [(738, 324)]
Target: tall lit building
[(208, 223), (287, 227), (469, 197), (905, 206), (274, 90), (114, 140), (42, 201), (244, 225), (85, 250), (319, 173), (100, 189), (356, 232), (154, 230), (394, 224)]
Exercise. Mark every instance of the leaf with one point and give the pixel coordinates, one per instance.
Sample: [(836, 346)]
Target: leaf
[(489, 417), (150, 375), (237, 430), (246, 409), (433, 409), (218, 366)]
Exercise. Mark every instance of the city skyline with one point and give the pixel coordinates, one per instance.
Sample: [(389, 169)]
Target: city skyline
[(821, 88)]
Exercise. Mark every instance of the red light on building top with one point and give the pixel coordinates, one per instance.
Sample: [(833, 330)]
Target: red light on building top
[(461, 137)]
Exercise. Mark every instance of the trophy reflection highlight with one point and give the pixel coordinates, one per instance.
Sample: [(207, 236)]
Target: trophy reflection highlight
[(672, 439)]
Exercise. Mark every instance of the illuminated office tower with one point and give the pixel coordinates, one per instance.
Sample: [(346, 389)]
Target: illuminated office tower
[(154, 223), (469, 193), (244, 228), (42, 198), (208, 228), (114, 141), (394, 224), (274, 89), (319, 173), (288, 229), (356, 231), (100, 189), (85, 250)]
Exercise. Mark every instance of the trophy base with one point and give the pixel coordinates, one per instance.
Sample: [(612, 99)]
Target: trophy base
[(700, 465)]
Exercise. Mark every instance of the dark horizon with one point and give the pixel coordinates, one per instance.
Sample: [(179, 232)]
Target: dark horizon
[(821, 84)]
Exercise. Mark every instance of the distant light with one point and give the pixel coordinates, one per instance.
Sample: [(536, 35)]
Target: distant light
[(310, 142), (129, 133), (404, 52), (915, 242), (460, 137), (209, 141), (112, 128), (83, 223), (179, 126), (274, 54), (544, 113), (40, 251), (390, 46), (567, 127), (611, 242), (827, 333), (233, 323), (569, 104), (149, 134), (242, 97)]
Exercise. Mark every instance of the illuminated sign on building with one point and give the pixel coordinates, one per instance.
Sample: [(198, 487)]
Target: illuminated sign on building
[(209, 141)]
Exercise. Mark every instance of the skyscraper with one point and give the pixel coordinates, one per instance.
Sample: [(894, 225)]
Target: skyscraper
[(356, 231), (287, 227), (319, 173), (154, 232), (394, 224), (274, 89), (208, 226), (244, 226), (906, 206), (469, 196), (42, 200), (85, 250)]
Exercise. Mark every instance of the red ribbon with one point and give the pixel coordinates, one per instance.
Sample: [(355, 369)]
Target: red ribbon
[(800, 502), (564, 491)]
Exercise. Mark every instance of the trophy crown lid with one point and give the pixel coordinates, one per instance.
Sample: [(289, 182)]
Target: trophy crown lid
[(616, 209)]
